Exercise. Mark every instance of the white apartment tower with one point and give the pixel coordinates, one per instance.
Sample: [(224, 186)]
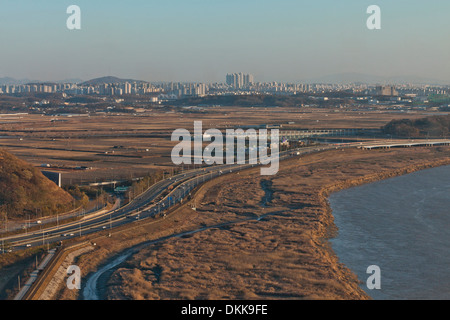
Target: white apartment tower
[(239, 80)]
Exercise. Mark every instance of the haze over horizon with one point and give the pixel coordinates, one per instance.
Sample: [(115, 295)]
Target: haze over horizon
[(202, 41)]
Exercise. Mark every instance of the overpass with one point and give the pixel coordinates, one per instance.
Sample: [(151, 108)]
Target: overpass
[(425, 143), (302, 134), (308, 133)]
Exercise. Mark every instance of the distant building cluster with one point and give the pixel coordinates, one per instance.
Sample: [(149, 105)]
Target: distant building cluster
[(118, 89), (85, 89), (239, 80), (185, 89), (235, 84), (386, 91), (34, 88)]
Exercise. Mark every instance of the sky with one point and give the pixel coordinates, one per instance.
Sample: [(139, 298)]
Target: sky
[(203, 40)]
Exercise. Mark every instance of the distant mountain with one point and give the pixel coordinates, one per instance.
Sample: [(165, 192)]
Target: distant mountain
[(417, 80), (74, 80), (110, 79), (12, 81), (346, 78), (6, 80), (96, 81)]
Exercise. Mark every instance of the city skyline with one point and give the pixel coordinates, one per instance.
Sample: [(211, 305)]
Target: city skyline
[(239, 81), (200, 41), (235, 84)]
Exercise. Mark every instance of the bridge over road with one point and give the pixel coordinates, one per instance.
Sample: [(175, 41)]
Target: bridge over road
[(407, 144)]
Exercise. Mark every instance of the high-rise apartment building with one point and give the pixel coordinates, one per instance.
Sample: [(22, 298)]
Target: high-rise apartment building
[(239, 80), (386, 91), (127, 88)]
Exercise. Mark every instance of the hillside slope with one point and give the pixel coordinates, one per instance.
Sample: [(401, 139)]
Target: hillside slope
[(24, 190), (433, 127)]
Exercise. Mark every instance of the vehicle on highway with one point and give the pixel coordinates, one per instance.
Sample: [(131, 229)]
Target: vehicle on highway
[(28, 245)]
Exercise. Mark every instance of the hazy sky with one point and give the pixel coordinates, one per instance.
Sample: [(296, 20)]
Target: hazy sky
[(202, 40)]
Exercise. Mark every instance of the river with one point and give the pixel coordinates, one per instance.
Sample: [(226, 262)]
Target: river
[(401, 225)]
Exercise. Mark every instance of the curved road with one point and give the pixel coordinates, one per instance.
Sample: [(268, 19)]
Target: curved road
[(153, 201)]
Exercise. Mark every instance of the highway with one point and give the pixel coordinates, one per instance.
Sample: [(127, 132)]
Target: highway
[(152, 202)]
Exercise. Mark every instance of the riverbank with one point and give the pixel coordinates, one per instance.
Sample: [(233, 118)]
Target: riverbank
[(401, 225), (284, 255)]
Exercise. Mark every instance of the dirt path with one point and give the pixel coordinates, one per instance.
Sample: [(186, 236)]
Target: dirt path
[(61, 274)]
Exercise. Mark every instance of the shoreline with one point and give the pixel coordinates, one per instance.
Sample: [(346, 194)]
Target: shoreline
[(328, 190), (306, 220)]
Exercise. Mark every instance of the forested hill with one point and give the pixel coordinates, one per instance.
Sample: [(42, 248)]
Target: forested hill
[(433, 127), (24, 190)]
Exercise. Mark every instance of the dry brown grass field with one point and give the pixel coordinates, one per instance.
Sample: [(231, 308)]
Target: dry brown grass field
[(284, 255), (121, 146), (90, 141)]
